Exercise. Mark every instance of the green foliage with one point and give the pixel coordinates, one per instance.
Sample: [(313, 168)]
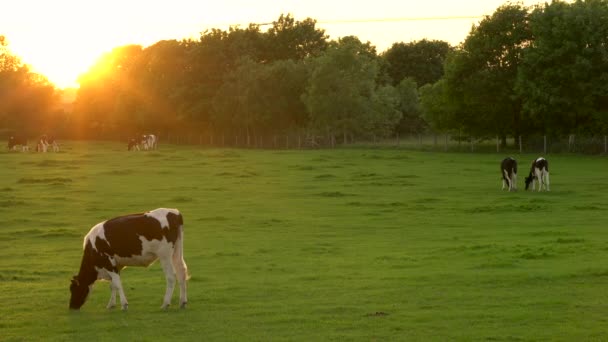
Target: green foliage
[(347, 244), (481, 75), (296, 40), (435, 107), (563, 81), (420, 60), (341, 88), (409, 106)]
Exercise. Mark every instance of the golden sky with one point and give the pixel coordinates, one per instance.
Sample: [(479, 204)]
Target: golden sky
[(62, 38)]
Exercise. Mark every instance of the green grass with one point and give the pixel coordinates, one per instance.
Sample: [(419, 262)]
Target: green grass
[(348, 244)]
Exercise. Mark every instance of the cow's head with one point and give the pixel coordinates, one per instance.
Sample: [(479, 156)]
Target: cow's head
[(80, 292), (529, 180)]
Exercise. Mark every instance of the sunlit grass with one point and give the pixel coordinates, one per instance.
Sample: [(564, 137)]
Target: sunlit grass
[(356, 244)]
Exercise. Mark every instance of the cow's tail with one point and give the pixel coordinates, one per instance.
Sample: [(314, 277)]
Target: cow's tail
[(178, 254)]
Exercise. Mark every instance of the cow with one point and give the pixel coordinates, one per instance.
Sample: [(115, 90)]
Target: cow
[(508, 169), (15, 140), (45, 142), (149, 141), (539, 171), (132, 240), (133, 144)]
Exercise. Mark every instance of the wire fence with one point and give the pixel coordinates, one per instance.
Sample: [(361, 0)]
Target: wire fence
[(597, 145)]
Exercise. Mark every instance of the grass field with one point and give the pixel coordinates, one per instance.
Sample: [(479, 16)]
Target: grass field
[(347, 244)]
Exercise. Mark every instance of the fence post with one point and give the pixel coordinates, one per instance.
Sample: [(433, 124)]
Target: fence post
[(545, 144), (497, 145), (520, 147), (571, 143)]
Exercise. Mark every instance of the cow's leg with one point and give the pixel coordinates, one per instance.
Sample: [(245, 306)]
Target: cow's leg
[(181, 271), (514, 181), (117, 286), (503, 184), (508, 180), (167, 266), (547, 180), (539, 178), (112, 302)]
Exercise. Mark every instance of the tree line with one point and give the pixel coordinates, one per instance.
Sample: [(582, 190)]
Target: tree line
[(539, 70)]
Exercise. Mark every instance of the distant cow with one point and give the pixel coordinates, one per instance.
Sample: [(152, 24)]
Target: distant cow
[(539, 171), (133, 144), (149, 141), (14, 141), (132, 240), (508, 169), (45, 142)]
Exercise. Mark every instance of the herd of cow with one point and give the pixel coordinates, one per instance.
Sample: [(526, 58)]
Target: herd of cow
[(539, 172), (145, 142), (140, 239), (47, 142), (43, 144)]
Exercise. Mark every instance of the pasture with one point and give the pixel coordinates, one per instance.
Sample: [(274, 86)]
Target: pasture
[(346, 244)]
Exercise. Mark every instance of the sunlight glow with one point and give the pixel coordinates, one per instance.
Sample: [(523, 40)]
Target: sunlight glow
[(63, 38)]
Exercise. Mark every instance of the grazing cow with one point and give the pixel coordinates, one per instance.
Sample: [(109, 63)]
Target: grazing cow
[(133, 144), (149, 141), (45, 142), (14, 141), (132, 240), (508, 169), (539, 171)]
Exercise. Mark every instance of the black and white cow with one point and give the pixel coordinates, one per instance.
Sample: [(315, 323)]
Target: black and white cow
[(508, 169), (14, 141), (132, 240), (149, 141), (133, 144), (539, 171), (45, 142)]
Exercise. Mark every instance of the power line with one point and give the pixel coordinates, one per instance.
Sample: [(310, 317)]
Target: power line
[(381, 20)]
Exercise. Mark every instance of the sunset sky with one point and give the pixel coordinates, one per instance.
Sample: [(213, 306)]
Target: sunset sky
[(62, 38)]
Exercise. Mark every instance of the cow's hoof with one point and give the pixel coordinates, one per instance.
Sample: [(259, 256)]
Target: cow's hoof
[(110, 307), (125, 307), (183, 305), (164, 307)]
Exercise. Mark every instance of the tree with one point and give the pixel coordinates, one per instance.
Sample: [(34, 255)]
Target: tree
[(29, 103), (422, 61), (436, 108), (563, 79), (481, 74), (409, 106), (341, 94), (291, 39)]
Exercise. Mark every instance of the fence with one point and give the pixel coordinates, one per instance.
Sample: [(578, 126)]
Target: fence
[(423, 142)]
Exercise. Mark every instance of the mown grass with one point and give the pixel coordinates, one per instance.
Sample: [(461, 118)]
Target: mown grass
[(347, 244)]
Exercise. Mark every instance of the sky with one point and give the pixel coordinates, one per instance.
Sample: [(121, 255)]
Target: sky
[(63, 38)]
